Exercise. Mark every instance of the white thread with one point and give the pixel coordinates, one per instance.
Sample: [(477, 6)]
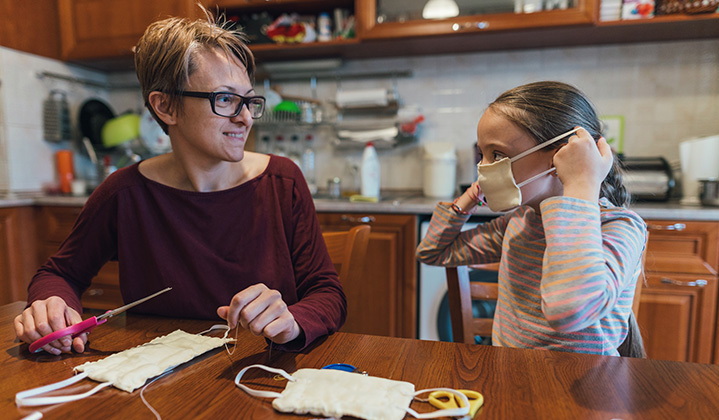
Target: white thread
[(224, 337), (142, 396)]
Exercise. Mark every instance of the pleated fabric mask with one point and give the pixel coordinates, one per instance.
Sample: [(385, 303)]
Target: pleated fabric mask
[(335, 393), (129, 369)]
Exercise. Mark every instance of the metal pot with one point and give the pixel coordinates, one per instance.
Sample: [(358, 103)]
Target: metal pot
[(709, 192)]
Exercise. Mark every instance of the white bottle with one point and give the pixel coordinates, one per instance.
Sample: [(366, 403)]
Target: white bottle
[(308, 163), (369, 172)]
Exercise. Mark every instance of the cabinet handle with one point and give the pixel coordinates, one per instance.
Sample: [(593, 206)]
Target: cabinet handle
[(470, 25), (695, 283), (676, 226), (360, 219)]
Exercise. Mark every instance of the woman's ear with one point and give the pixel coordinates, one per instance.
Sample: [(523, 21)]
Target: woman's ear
[(160, 103)]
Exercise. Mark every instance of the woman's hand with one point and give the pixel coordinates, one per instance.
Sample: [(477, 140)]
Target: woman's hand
[(46, 316), (263, 312), (582, 165)]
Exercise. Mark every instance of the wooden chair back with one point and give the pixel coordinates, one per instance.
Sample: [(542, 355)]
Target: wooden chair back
[(347, 251), (460, 292)]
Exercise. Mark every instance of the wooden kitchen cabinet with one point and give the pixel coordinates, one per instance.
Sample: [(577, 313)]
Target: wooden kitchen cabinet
[(385, 302), (678, 311), (373, 26), (54, 224), (18, 260), (30, 26), (91, 29)]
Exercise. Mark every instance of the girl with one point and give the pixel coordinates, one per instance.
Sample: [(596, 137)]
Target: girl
[(569, 253)]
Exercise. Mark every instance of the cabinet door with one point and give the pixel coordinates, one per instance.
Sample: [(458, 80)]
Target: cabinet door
[(54, 225), (677, 317), (110, 28), (18, 260), (392, 19), (683, 247), (385, 302)]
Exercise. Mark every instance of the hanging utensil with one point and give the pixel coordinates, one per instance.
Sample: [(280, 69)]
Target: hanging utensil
[(56, 117)]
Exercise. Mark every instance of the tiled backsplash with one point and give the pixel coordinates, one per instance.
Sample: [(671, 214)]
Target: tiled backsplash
[(664, 100)]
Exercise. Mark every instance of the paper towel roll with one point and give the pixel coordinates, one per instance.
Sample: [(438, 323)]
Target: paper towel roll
[(362, 98)]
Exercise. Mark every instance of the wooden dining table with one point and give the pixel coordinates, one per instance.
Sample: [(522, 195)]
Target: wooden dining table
[(515, 383)]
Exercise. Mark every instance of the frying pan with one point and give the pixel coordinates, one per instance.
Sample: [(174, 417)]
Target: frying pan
[(94, 113)]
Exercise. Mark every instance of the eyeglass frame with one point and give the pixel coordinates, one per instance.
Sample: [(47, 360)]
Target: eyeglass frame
[(211, 96)]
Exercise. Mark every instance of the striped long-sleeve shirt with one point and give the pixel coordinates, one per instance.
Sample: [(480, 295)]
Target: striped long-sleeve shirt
[(566, 278)]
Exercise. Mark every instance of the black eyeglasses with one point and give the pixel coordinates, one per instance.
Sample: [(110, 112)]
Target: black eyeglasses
[(228, 104)]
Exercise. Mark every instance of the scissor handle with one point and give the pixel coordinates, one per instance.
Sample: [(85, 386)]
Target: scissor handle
[(73, 330), (452, 401)]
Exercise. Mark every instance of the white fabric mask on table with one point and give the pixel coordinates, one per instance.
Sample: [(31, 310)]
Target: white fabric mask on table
[(335, 393), (497, 183), (129, 369)]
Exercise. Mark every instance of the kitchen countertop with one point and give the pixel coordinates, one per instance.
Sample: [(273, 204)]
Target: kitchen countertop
[(406, 203)]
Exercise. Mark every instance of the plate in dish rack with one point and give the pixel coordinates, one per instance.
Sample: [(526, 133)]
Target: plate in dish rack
[(152, 135)]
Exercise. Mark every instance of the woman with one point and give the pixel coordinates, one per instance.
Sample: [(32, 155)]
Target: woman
[(234, 233)]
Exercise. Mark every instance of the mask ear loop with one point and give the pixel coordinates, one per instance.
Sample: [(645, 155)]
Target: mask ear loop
[(540, 146), (257, 392), (28, 398), (545, 144)]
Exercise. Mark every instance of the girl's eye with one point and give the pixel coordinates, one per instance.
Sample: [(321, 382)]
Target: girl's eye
[(498, 156), (480, 157)]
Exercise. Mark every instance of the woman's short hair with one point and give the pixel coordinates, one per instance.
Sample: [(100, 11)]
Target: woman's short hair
[(165, 55)]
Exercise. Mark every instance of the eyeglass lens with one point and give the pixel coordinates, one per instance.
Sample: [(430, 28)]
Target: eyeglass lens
[(230, 105)]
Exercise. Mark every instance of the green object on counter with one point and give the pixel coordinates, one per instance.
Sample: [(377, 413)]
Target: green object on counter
[(120, 129), (287, 106)]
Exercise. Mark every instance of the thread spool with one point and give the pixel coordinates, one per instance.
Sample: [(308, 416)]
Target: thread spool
[(64, 164)]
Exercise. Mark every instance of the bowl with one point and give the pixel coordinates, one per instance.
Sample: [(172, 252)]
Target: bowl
[(120, 129)]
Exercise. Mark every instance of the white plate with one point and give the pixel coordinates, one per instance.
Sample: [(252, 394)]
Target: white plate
[(152, 135)]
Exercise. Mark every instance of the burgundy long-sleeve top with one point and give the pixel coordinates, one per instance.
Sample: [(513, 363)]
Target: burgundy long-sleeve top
[(207, 246)]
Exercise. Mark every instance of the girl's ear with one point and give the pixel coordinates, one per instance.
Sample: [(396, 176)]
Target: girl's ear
[(160, 103)]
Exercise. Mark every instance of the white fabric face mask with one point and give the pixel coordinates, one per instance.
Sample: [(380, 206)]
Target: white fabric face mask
[(129, 369), (497, 181), (335, 393)]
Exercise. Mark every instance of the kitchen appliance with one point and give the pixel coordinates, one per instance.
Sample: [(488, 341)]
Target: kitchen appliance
[(433, 318), (699, 160), (648, 178), (709, 192)]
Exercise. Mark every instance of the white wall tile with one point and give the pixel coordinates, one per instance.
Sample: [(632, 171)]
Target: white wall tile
[(666, 91)]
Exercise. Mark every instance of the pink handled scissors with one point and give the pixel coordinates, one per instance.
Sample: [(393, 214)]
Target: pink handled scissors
[(87, 325)]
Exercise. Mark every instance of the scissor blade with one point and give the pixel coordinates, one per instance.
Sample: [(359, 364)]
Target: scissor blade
[(122, 309)]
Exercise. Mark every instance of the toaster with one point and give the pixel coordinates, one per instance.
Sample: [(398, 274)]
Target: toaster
[(648, 178)]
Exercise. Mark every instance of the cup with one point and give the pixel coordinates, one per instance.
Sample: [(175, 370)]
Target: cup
[(333, 187), (64, 165)]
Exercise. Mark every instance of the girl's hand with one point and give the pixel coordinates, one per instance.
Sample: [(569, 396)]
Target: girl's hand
[(582, 165)]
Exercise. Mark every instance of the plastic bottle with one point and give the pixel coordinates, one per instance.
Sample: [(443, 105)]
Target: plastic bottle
[(369, 172), (324, 28), (294, 151), (308, 163)]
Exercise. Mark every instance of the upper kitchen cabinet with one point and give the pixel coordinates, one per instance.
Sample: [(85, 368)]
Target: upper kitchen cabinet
[(398, 27), (382, 19), (334, 34), (108, 29), (30, 26)]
